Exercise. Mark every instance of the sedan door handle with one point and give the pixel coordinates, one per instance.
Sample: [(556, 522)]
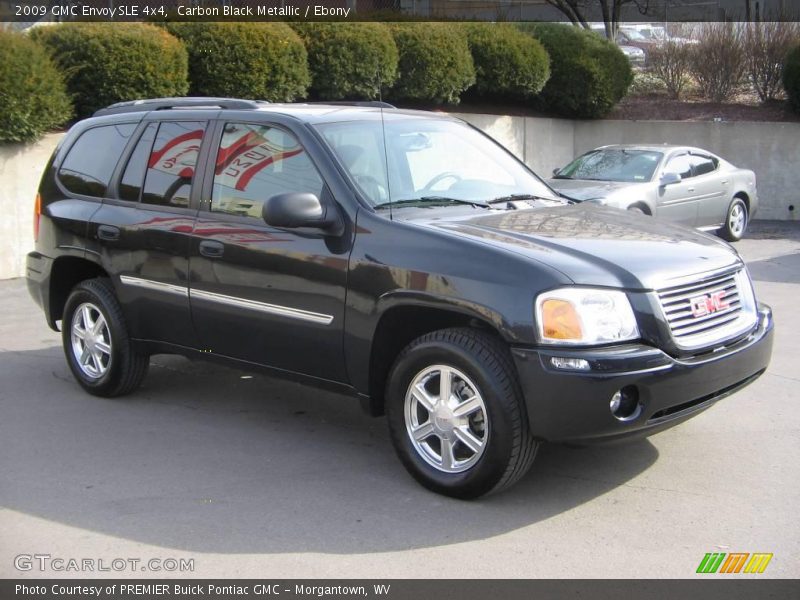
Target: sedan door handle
[(108, 233), (212, 249), (690, 190)]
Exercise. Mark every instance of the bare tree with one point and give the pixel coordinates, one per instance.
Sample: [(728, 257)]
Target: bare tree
[(670, 62), (766, 46), (578, 11), (719, 61)]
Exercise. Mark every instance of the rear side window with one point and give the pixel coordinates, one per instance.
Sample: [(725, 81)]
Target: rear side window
[(703, 165), (88, 166), (171, 164)]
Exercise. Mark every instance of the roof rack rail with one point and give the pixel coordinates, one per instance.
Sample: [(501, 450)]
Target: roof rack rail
[(369, 103), (185, 102)]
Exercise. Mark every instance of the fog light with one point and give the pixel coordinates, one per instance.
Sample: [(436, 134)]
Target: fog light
[(624, 404), (616, 399), (570, 364)]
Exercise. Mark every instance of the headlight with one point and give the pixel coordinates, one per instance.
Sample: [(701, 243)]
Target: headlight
[(584, 316), (597, 200)]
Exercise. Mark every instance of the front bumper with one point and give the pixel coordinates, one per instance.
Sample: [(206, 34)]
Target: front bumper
[(573, 406)]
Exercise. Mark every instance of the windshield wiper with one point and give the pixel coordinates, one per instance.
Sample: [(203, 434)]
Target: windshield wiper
[(431, 201)]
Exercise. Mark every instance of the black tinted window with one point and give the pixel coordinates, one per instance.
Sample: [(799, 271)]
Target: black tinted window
[(256, 162), (90, 162), (703, 165), (171, 166), (131, 185)]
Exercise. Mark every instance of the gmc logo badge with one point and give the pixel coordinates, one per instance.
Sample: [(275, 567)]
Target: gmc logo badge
[(708, 304)]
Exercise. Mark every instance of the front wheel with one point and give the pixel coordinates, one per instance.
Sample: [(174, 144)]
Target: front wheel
[(456, 415), (94, 334), (735, 221)]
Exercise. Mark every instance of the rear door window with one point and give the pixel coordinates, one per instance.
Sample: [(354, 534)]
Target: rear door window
[(171, 163), (90, 162), (702, 165)]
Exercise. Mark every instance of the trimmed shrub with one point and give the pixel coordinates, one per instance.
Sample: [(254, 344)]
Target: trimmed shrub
[(508, 63), (33, 97), (791, 77), (349, 60), (588, 74), (265, 61), (434, 61), (105, 63)]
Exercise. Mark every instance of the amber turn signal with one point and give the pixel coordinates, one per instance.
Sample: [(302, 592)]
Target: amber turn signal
[(560, 321)]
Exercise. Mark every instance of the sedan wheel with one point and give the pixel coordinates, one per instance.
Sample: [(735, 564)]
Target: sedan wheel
[(735, 222)]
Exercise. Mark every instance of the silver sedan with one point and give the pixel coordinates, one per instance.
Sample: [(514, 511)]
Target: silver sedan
[(688, 185)]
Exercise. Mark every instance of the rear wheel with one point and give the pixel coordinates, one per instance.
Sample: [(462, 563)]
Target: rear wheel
[(735, 221), (456, 414), (96, 343)]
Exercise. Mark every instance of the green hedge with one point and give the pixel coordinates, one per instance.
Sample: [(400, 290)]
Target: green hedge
[(109, 62), (791, 77), (508, 63), (33, 97), (265, 61), (589, 74), (435, 62), (349, 60)]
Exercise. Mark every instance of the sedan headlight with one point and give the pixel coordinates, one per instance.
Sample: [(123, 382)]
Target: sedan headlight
[(584, 316)]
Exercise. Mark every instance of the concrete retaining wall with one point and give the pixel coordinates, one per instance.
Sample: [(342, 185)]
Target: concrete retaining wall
[(772, 150)]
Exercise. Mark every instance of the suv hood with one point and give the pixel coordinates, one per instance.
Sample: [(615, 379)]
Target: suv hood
[(595, 245)]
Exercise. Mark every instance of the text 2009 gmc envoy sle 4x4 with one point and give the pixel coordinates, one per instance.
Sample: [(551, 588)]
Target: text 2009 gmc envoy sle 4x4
[(401, 256)]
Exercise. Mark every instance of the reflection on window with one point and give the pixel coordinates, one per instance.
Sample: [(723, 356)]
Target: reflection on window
[(172, 162), (256, 162), (131, 185), (681, 165), (88, 167), (627, 165)]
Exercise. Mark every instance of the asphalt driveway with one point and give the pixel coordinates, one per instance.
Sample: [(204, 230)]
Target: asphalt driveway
[(253, 477)]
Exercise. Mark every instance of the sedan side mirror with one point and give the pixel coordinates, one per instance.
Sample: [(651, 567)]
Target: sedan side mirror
[(300, 209), (669, 179), (556, 170)]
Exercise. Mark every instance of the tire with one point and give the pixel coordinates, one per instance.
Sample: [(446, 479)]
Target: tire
[(480, 369), (736, 220), (111, 366)]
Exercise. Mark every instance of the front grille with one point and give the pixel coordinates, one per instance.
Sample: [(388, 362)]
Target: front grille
[(708, 311)]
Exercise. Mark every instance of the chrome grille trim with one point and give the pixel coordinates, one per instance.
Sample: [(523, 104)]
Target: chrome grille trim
[(690, 332)]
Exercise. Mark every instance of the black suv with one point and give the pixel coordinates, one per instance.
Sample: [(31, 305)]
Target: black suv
[(402, 257)]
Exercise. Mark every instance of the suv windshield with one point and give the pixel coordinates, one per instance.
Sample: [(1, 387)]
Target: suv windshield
[(429, 161), (613, 164)]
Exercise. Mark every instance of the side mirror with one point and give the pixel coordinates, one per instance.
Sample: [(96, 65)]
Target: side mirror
[(556, 170), (669, 178), (299, 209)]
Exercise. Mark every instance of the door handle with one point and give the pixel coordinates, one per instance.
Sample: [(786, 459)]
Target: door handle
[(108, 233), (212, 249), (690, 190)]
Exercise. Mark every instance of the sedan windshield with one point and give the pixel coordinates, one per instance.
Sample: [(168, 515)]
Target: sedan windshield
[(430, 162), (613, 164)]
